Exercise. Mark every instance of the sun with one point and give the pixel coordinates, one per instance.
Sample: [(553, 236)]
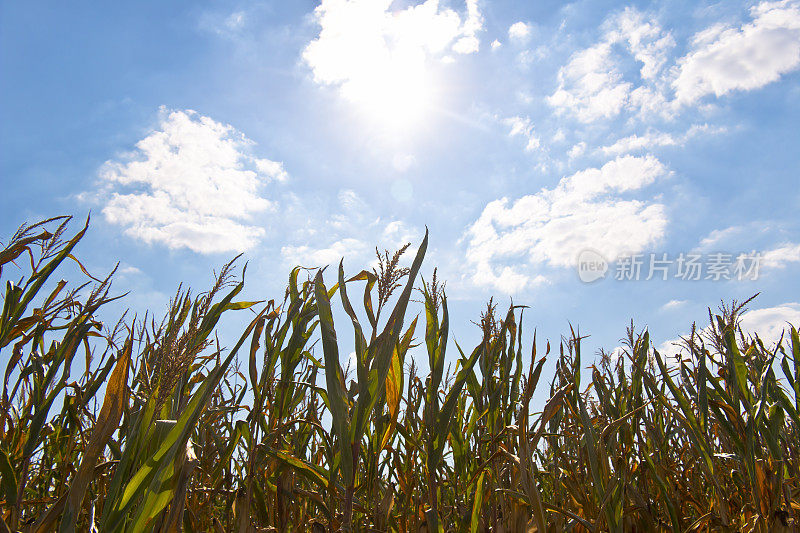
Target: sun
[(398, 94)]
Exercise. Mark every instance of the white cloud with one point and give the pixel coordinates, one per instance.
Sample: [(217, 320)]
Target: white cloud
[(616, 354), (592, 84), (509, 280), (726, 59), (331, 254), (768, 323), (368, 49), (553, 226), (352, 232), (577, 150), (748, 236), (356, 250), (635, 143), (674, 304), (228, 26), (131, 270), (654, 139), (649, 44), (235, 20), (523, 127), (191, 183), (719, 236), (273, 169), (354, 212), (596, 83), (469, 43), (779, 257), (671, 349), (519, 31), (397, 233), (496, 44)]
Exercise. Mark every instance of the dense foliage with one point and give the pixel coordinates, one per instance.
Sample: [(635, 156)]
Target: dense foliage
[(152, 426)]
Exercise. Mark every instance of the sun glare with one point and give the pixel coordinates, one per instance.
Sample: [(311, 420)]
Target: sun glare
[(399, 94), (385, 60)]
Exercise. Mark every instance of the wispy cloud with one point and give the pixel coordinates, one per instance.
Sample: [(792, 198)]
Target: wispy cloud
[(719, 237), (654, 139), (748, 236), (751, 237), (353, 230), (523, 127), (228, 25), (674, 304), (592, 85), (191, 183)]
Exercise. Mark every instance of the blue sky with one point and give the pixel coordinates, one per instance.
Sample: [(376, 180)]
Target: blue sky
[(520, 134)]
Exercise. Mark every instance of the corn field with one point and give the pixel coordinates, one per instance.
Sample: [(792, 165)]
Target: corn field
[(150, 424)]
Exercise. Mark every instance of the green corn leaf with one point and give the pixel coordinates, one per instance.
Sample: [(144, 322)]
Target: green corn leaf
[(156, 469), (666, 494), (477, 504), (35, 283), (385, 345), (337, 394), (313, 473), (116, 400), (796, 377), (9, 478), (738, 367), (445, 419)]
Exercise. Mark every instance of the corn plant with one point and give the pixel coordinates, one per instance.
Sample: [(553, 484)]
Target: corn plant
[(141, 424)]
